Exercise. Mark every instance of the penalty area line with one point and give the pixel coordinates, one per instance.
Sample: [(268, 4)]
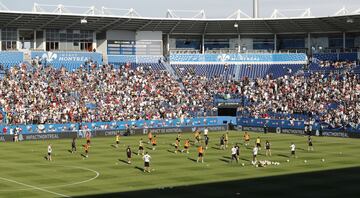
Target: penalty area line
[(34, 187)]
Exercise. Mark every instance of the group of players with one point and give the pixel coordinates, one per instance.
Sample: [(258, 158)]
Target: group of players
[(199, 142)]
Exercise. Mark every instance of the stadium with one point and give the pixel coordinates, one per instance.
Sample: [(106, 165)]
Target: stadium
[(103, 102)]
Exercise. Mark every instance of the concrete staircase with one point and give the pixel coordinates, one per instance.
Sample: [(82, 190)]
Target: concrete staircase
[(173, 74), (237, 72)]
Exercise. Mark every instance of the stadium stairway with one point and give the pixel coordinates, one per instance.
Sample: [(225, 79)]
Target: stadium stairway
[(237, 72), (173, 74)]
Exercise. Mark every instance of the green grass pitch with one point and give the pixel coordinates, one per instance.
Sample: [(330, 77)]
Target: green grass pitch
[(26, 173)]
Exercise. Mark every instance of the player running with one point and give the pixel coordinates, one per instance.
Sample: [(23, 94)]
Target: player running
[(292, 148), (178, 137), (117, 140), (258, 143), (234, 154), (206, 131), (49, 153), (153, 142), (146, 159), (150, 136), (141, 147), (88, 137), (255, 152), (186, 146), (222, 142), (86, 148), (200, 154), (176, 145), (237, 151), (197, 136), (246, 138), (310, 144), (206, 142), (128, 154), (73, 145), (267, 147)]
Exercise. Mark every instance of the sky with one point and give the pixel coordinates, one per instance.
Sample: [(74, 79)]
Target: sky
[(213, 8)]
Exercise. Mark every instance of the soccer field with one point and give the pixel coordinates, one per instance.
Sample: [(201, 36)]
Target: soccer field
[(105, 173)]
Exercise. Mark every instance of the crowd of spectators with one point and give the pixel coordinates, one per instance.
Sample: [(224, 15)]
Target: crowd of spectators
[(338, 64), (332, 99), (49, 95), (38, 95)]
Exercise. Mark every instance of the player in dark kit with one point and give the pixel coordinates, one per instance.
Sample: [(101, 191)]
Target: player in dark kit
[(237, 151), (267, 147), (310, 144), (73, 145), (206, 142), (128, 154), (222, 142)]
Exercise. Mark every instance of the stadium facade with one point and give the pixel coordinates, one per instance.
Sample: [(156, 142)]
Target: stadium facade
[(131, 34)]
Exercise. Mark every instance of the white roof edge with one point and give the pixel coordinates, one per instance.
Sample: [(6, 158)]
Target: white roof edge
[(172, 19)]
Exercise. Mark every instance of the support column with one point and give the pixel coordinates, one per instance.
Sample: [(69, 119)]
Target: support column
[(344, 40), (239, 43), (168, 44), (44, 40), (0, 41), (34, 43), (309, 44), (275, 42), (94, 43), (203, 44), (18, 47)]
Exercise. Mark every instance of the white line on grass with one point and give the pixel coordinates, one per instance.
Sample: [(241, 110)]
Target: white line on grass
[(34, 187), (63, 185)]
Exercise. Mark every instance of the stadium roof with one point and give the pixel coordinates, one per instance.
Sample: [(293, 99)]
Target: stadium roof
[(197, 25)]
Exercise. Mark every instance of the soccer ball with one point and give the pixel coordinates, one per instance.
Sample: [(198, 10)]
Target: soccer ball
[(242, 164), (323, 160), (305, 161), (287, 160)]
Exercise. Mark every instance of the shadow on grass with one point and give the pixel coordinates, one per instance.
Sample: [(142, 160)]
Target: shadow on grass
[(227, 157), (225, 160), (114, 146), (139, 168), (123, 161), (282, 155), (244, 159), (170, 151), (216, 148), (70, 151), (297, 185), (192, 159)]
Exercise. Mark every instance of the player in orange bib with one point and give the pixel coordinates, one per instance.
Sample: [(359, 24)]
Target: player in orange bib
[(197, 136), (200, 154), (186, 146), (150, 136), (86, 148), (153, 142), (176, 145), (88, 137), (246, 138)]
